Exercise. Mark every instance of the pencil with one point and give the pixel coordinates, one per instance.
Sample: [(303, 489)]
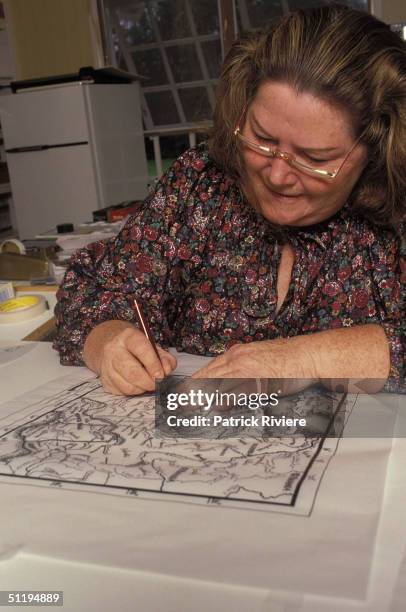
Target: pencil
[(142, 322)]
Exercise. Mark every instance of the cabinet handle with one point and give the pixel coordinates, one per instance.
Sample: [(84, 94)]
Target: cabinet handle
[(45, 147)]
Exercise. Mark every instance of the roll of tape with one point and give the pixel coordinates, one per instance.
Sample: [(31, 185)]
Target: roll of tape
[(12, 245), (22, 308)]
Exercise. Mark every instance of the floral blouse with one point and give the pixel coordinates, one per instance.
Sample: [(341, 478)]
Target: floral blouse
[(204, 265)]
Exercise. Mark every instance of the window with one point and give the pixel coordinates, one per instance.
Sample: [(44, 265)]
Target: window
[(176, 45)]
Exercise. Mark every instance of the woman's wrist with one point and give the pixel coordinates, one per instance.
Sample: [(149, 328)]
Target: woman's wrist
[(359, 353), (295, 357)]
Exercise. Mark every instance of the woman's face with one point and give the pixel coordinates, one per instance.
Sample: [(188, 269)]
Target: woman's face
[(316, 133)]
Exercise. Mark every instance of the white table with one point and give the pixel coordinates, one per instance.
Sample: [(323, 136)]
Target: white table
[(109, 552)]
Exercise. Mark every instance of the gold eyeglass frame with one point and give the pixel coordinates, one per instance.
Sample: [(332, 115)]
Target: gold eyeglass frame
[(291, 159)]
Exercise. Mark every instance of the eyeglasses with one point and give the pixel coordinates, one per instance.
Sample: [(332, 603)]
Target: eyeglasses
[(290, 159)]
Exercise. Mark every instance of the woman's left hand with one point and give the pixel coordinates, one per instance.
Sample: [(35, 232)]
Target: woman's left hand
[(334, 356), (280, 358)]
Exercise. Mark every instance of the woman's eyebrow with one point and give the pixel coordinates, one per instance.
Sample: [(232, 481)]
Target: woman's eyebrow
[(304, 149), (261, 129)]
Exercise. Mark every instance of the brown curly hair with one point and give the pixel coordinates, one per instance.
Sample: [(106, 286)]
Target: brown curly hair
[(343, 56)]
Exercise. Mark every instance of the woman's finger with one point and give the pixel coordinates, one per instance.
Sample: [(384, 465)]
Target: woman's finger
[(141, 348), (169, 362), (131, 373), (126, 387)]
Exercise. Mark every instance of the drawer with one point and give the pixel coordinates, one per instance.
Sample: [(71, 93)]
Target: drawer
[(45, 116)]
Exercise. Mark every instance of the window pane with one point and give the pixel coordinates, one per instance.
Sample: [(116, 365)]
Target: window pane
[(171, 18), (162, 107), (195, 103), (205, 13), (184, 63), (149, 64), (135, 23), (356, 4), (212, 54), (255, 13)]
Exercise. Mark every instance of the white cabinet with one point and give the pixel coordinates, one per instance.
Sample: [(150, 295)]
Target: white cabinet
[(71, 149)]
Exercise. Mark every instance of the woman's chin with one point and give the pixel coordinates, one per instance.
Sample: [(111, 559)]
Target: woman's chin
[(291, 211)]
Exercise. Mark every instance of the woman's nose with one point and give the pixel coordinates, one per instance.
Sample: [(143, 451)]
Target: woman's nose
[(280, 173)]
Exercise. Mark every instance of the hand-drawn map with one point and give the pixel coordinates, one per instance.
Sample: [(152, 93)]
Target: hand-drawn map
[(70, 433)]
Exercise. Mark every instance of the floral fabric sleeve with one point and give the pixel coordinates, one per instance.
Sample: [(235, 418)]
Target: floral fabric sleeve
[(145, 260), (389, 260)]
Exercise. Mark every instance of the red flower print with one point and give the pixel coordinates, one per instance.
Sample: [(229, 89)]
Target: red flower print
[(135, 233), (184, 252), (144, 263), (333, 288), (344, 273), (250, 277), (150, 233), (314, 269), (387, 283), (357, 261), (360, 298), (198, 165), (170, 249), (202, 305)]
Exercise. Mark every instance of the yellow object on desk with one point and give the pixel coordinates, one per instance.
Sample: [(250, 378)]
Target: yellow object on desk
[(14, 266), (12, 245), (22, 308)]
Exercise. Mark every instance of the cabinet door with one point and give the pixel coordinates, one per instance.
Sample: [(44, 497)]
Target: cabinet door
[(115, 125), (51, 187)]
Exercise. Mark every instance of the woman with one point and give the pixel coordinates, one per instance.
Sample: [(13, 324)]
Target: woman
[(278, 247)]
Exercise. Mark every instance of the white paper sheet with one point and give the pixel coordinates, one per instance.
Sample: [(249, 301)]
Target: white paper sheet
[(10, 353), (70, 433), (189, 364)]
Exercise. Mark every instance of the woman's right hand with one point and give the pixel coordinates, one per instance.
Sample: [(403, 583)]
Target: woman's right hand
[(124, 358)]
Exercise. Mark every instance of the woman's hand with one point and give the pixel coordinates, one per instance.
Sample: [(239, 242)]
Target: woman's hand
[(125, 359), (267, 359), (285, 360)]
